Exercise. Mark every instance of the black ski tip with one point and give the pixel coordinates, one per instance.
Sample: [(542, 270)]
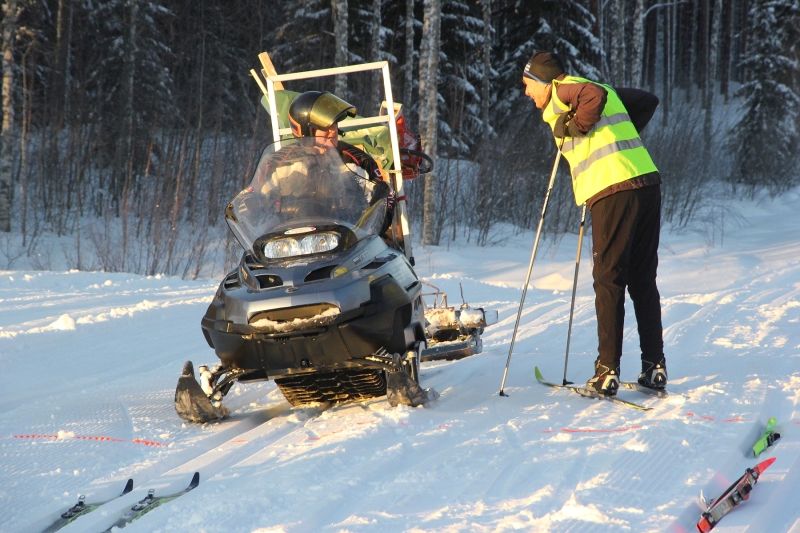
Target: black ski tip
[(188, 369), (128, 487), (195, 480)]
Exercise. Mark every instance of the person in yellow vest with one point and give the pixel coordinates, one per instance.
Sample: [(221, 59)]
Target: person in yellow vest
[(612, 172)]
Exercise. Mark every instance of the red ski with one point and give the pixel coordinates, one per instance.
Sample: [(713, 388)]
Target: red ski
[(733, 496)]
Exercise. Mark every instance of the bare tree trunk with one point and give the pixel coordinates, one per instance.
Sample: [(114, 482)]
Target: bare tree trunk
[(711, 75), (408, 82), (198, 136), (125, 147), (486, 199), (59, 74), (637, 55), (428, 94), (68, 63), (10, 13), (487, 69), (27, 99), (376, 88), (725, 52), (340, 34), (666, 78), (617, 42)]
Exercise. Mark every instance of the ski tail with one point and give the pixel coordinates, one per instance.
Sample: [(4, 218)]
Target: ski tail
[(733, 496), (128, 487), (767, 438), (763, 465), (539, 376), (195, 481)]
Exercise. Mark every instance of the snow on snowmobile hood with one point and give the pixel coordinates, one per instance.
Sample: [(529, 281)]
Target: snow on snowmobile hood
[(304, 201)]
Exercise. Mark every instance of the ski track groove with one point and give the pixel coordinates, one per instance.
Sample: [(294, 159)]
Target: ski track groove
[(209, 457), (140, 462)]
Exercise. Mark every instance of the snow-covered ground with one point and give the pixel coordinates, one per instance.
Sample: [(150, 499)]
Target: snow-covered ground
[(89, 362)]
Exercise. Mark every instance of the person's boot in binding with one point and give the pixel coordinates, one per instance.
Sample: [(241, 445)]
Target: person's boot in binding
[(605, 380)]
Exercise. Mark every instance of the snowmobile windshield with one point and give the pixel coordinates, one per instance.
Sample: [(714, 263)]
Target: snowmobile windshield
[(304, 200)]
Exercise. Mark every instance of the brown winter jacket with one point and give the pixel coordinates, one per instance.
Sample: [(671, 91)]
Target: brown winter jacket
[(587, 100)]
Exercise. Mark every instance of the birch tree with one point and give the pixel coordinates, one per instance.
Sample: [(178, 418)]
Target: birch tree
[(340, 34), (711, 75), (10, 14), (428, 95), (408, 81), (637, 44), (617, 44), (375, 54), (125, 146), (487, 71)]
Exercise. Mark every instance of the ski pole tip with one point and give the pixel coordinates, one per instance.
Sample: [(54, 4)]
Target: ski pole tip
[(501, 393)]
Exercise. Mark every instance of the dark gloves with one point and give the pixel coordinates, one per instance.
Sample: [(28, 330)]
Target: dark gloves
[(561, 128)]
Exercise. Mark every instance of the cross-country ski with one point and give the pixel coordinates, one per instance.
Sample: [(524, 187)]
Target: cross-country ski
[(734, 495), (81, 508), (767, 439), (150, 502), (633, 385), (588, 393)]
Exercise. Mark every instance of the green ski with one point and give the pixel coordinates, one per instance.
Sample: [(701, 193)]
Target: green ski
[(589, 394), (81, 508), (150, 502), (767, 438)]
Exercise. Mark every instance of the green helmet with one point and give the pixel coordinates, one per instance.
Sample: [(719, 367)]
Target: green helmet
[(314, 110)]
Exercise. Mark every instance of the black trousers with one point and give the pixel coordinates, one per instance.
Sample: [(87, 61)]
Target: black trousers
[(625, 231)]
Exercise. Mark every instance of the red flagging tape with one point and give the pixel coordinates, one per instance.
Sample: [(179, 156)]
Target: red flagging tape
[(89, 437), (736, 419), (591, 430)]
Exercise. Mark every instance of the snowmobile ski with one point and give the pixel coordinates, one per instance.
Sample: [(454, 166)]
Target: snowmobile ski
[(192, 403), (733, 496), (81, 508), (589, 394), (767, 439), (633, 385), (150, 502)]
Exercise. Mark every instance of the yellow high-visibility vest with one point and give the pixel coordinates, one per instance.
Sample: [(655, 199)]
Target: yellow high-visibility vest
[(612, 151)]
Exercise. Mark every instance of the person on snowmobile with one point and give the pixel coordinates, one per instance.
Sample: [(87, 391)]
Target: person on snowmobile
[(612, 172), (317, 114)]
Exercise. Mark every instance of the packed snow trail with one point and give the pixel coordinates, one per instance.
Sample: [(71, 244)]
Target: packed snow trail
[(94, 354)]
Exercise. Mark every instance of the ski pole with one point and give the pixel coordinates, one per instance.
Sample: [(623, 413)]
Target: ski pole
[(574, 290), (530, 266)]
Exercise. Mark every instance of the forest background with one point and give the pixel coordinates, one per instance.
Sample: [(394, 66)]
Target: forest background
[(129, 124)]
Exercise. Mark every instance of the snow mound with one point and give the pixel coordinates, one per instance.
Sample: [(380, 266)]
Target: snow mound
[(64, 322)]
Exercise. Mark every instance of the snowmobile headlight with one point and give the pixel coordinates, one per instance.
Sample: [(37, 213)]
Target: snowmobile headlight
[(319, 242), (282, 248), (311, 244)]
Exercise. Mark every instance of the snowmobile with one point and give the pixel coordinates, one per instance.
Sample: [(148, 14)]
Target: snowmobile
[(325, 300)]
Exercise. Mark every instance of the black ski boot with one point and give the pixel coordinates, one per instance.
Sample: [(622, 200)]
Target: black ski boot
[(605, 380), (654, 375)]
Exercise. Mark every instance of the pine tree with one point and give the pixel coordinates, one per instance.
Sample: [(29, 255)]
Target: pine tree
[(305, 40), (765, 139), (567, 31)]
